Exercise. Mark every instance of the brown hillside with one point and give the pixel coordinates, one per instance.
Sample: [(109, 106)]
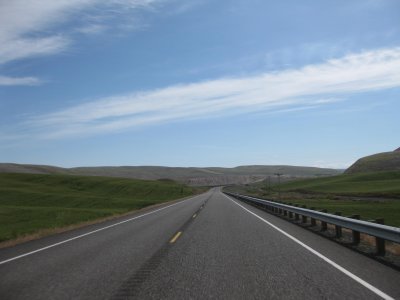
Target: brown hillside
[(191, 176)]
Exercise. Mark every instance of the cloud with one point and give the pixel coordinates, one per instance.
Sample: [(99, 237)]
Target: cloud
[(31, 28), (290, 90), (92, 29), (180, 7), (24, 25), (22, 48), (4, 80)]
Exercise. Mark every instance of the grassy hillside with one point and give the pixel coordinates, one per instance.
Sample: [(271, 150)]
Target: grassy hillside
[(372, 195), (387, 161), (31, 169), (32, 202), (271, 170), (193, 176), (383, 184)]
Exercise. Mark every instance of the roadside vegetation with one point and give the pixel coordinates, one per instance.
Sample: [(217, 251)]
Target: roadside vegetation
[(371, 195), (30, 203)]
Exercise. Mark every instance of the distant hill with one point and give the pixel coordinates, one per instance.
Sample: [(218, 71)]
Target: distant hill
[(386, 161), (192, 175), (31, 169)]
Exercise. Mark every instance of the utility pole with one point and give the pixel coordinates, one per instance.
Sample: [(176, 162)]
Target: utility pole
[(279, 184)]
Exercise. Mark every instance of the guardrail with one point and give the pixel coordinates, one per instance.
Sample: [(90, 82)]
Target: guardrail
[(379, 231)]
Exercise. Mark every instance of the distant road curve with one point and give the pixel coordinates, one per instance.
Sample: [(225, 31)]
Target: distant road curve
[(208, 246)]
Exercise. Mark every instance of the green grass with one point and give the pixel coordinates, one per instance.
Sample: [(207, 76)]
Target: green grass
[(368, 210), (380, 184), (371, 195), (30, 202), (387, 161)]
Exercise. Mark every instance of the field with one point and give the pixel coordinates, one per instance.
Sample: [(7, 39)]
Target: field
[(372, 195), (30, 202), (381, 184)]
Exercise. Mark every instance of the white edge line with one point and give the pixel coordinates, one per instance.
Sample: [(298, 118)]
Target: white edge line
[(91, 232), (332, 263)]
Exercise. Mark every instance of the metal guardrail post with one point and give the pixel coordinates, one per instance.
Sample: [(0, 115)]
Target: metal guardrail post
[(338, 229), (380, 243), (290, 213), (304, 218), (355, 234), (313, 222), (324, 225), (296, 216)]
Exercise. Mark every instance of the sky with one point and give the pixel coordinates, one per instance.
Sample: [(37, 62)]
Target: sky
[(198, 82)]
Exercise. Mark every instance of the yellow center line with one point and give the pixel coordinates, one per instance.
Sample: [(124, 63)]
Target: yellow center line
[(176, 236), (194, 216)]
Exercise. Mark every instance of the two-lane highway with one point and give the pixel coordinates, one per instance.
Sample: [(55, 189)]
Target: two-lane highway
[(209, 246), (94, 265)]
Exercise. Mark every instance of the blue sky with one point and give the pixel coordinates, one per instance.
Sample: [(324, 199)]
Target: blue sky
[(198, 83)]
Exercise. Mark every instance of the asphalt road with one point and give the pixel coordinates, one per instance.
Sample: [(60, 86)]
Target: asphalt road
[(206, 247)]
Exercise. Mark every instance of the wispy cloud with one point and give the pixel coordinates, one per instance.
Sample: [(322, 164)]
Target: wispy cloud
[(4, 80), (28, 47), (31, 28), (289, 90), (23, 26), (180, 7), (92, 29)]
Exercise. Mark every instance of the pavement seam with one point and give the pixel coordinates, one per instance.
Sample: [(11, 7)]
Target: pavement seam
[(132, 285)]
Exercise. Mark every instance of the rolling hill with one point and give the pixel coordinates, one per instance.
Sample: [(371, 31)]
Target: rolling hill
[(378, 184), (192, 175), (386, 161)]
